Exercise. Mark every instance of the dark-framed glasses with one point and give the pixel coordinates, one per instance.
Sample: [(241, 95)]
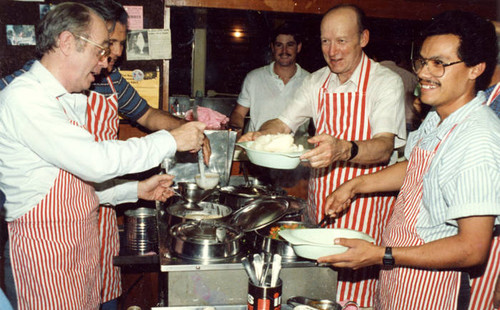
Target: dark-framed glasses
[(104, 52), (435, 66)]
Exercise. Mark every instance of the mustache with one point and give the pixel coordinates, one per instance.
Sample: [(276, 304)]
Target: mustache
[(285, 54), (429, 82)]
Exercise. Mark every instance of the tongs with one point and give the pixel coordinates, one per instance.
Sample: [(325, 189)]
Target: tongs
[(327, 220)]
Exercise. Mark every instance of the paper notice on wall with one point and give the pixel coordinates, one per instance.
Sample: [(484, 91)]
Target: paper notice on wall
[(135, 17), (147, 84), (149, 44)]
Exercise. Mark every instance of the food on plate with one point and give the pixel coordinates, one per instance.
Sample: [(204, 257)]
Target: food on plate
[(276, 143), (273, 233)]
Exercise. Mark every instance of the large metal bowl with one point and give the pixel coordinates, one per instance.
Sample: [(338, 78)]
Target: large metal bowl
[(274, 160)]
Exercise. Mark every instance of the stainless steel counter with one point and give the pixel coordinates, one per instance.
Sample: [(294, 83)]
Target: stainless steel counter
[(189, 284)]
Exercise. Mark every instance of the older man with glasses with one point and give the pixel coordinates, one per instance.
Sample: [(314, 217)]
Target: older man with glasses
[(50, 161), (444, 217)]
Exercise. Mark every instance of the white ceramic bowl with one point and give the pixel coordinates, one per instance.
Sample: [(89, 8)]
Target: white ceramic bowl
[(211, 180), (313, 243), (274, 160)]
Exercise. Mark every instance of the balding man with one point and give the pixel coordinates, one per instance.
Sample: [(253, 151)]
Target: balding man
[(357, 106)]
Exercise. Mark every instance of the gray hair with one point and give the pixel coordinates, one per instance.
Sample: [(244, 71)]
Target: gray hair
[(67, 16)]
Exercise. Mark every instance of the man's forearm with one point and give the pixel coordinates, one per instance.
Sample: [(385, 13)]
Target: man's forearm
[(374, 151), (155, 119)]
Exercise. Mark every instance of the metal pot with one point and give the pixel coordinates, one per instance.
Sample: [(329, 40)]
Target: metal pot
[(237, 196), (141, 234), (263, 242), (181, 213), (205, 241)]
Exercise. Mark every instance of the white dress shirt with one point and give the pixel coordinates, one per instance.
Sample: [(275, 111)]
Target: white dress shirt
[(37, 139), (385, 100), (265, 94)]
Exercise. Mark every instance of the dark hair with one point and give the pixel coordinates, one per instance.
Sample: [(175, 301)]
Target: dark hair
[(362, 20), (110, 11), (477, 40), (287, 29), (67, 16)]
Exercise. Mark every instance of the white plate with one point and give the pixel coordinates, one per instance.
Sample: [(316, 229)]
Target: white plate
[(313, 243)]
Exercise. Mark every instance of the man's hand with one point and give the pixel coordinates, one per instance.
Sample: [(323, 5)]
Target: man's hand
[(250, 136), (341, 199), (189, 137), (156, 187), (328, 150), (360, 254)]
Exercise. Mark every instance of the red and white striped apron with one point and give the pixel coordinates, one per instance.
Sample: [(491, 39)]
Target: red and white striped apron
[(483, 286), (54, 249), (102, 122), (403, 288), (345, 116)]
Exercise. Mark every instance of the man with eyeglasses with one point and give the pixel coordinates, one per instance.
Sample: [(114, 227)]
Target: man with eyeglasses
[(357, 106), (448, 204), (112, 94), (50, 161)]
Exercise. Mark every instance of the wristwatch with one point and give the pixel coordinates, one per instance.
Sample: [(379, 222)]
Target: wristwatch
[(388, 260), (354, 150)]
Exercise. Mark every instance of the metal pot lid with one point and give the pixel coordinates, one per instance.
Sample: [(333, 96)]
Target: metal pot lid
[(258, 213), (209, 210), (245, 191), (205, 232)]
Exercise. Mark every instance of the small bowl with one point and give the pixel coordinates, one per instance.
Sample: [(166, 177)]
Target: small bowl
[(313, 243), (211, 180), (190, 192)]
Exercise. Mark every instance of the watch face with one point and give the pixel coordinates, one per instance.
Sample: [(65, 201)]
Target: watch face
[(388, 260)]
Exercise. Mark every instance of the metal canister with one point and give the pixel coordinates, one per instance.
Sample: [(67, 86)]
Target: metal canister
[(141, 231)]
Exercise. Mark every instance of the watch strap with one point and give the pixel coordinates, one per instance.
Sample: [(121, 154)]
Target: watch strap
[(388, 259), (354, 150)]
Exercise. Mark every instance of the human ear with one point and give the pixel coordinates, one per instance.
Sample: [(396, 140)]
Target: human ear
[(477, 70), (66, 42), (364, 38)]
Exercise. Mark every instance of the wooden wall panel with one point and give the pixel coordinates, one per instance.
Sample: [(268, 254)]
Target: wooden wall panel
[(401, 9)]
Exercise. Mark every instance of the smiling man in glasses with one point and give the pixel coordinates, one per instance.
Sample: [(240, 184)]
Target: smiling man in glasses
[(444, 217), (50, 161)]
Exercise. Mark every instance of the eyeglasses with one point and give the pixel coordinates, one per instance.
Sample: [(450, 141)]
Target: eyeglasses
[(436, 67), (104, 52)]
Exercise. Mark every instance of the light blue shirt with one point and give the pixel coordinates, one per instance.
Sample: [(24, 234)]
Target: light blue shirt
[(464, 177)]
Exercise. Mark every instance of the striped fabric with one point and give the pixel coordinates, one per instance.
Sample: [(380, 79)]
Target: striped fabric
[(54, 249), (483, 285), (344, 116), (405, 288), (102, 122)]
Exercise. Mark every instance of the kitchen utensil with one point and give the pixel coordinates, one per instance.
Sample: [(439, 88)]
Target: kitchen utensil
[(198, 240), (250, 271), (323, 222), (237, 196), (267, 264), (178, 213), (192, 193), (258, 213), (276, 160), (258, 265), (276, 269), (313, 243), (323, 304)]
